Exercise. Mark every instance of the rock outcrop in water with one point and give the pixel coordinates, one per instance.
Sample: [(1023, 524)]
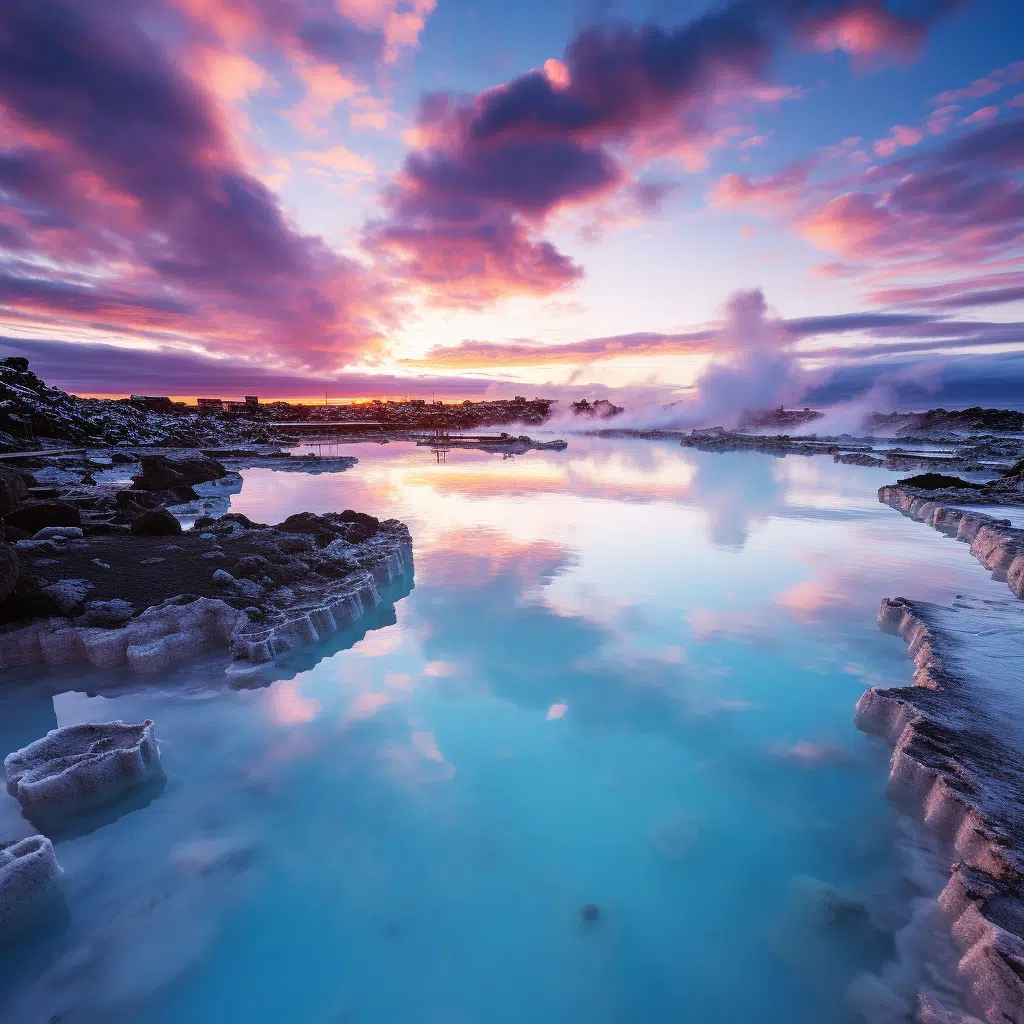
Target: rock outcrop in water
[(82, 766), (29, 883), (994, 542), (153, 602), (959, 768), (504, 444)]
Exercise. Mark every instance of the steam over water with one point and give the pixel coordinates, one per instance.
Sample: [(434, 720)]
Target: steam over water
[(597, 765)]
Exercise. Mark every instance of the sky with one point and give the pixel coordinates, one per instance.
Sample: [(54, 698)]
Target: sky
[(714, 205)]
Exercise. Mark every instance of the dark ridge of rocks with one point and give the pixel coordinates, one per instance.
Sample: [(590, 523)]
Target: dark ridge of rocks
[(994, 542), (760, 419), (952, 770), (938, 481), (974, 420), (857, 459)]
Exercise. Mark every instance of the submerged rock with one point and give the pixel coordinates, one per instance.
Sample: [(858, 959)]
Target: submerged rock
[(82, 766), (29, 882)]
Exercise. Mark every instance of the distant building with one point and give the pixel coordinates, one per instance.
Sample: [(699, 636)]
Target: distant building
[(153, 402), (209, 406), (519, 400), (252, 399), (418, 402)]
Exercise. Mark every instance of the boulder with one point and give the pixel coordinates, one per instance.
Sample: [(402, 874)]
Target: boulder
[(361, 526), (13, 489), (37, 515), (354, 527), (157, 522), (8, 570), (29, 881), (165, 472), (82, 766)]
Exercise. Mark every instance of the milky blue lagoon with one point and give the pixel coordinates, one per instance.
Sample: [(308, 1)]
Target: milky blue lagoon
[(594, 763)]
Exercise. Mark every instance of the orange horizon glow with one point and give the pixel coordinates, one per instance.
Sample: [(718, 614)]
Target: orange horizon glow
[(267, 399)]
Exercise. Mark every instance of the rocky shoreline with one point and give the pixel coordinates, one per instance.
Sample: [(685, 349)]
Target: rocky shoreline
[(994, 542), (988, 453), (951, 770)]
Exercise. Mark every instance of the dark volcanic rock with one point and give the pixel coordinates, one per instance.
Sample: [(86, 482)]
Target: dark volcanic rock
[(8, 570), (37, 515), (157, 522), (937, 481), (355, 527), (13, 489), (164, 472)]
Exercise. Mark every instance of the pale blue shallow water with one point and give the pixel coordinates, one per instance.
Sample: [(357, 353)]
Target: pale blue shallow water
[(623, 675)]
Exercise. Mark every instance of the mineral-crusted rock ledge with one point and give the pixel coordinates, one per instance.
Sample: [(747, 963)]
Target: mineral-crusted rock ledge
[(29, 882), (994, 542), (254, 590), (81, 766), (952, 769)]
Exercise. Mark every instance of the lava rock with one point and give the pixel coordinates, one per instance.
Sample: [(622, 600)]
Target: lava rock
[(37, 515), (157, 522), (13, 490), (8, 570), (164, 472)]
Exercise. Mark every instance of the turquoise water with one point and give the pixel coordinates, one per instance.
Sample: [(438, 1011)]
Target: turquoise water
[(623, 676)]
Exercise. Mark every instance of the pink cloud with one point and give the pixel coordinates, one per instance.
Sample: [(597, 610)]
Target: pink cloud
[(131, 199), (899, 137), (865, 29), (939, 121), (982, 116), (999, 79), (490, 172), (776, 193)]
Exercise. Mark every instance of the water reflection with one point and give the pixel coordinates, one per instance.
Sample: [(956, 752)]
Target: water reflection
[(625, 678)]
